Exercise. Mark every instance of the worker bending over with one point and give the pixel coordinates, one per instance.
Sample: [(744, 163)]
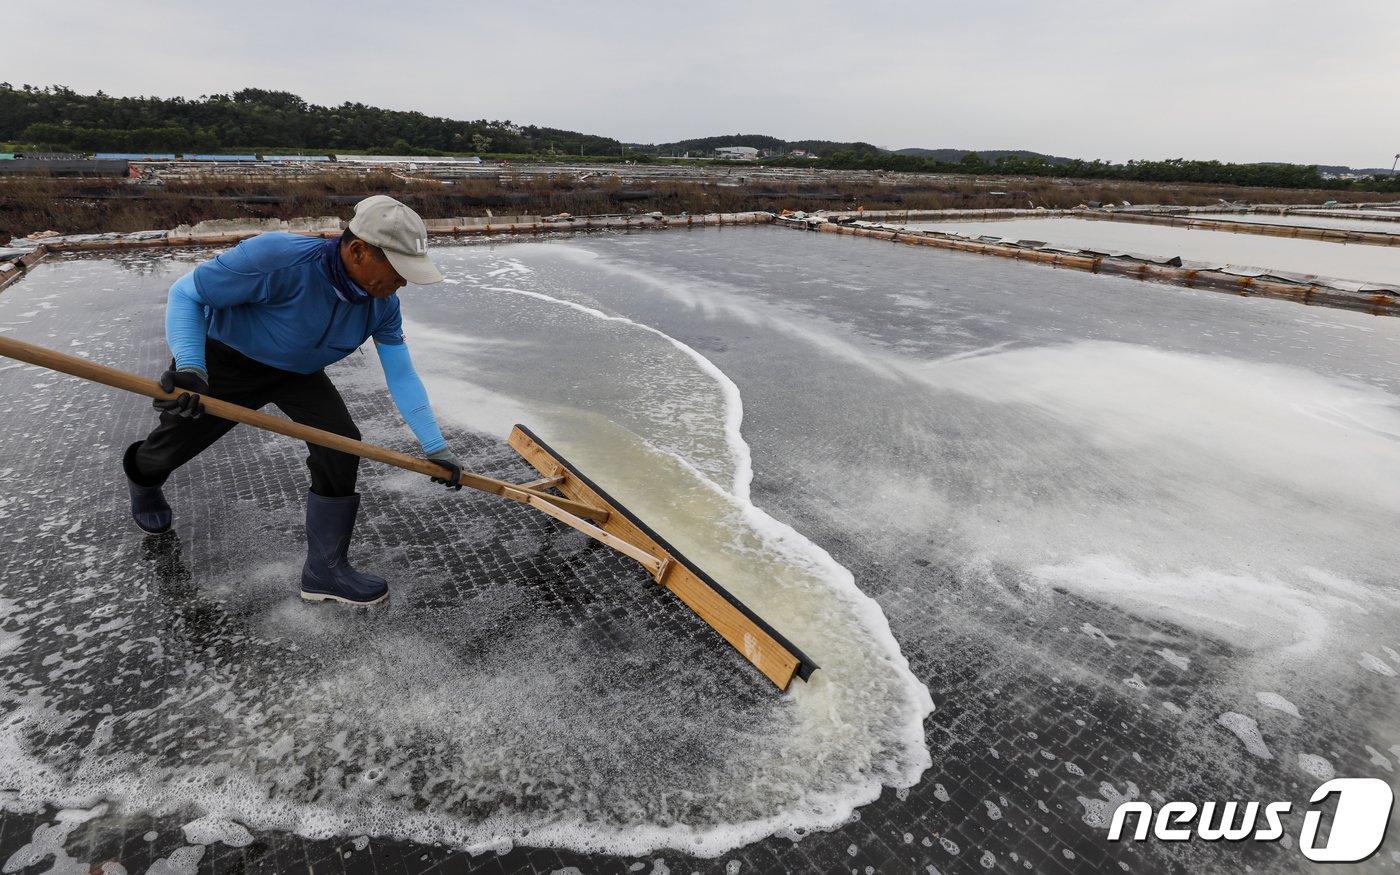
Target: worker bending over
[(258, 325)]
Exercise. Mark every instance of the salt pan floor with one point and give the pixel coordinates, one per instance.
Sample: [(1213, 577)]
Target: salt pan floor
[(1096, 517)]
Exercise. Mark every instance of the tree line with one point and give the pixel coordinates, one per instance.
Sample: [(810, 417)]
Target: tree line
[(259, 120), (1265, 175), (256, 119)]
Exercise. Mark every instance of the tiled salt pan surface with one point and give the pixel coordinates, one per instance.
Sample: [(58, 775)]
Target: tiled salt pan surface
[(1069, 495)]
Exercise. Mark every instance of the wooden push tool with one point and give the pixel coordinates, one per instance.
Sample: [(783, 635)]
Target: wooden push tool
[(582, 506)]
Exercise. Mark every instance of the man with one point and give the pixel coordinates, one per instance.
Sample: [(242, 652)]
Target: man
[(258, 325)]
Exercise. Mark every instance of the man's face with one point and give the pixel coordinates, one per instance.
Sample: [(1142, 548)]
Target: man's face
[(370, 270)]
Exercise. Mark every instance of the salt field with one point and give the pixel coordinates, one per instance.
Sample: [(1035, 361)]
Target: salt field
[(1378, 212), (1303, 220), (1057, 541), (1355, 262)]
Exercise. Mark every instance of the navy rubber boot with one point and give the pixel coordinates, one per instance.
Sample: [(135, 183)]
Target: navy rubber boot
[(327, 575), (148, 505)]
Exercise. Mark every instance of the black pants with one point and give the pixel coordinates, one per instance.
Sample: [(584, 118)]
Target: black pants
[(310, 399)]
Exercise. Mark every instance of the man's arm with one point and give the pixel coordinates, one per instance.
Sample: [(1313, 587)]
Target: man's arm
[(235, 277), (186, 326), (185, 330), (412, 400)]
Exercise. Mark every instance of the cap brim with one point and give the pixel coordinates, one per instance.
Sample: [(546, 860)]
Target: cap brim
[(417, 269)]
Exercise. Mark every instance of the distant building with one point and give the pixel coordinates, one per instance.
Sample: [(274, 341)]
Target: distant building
[(134, 156), (737, 153)]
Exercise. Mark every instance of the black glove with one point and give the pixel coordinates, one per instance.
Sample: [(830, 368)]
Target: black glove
[(445, 458), (187, 405)]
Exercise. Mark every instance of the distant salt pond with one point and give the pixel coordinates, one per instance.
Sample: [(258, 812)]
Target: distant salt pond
[(1303, 220), (1351, 261)]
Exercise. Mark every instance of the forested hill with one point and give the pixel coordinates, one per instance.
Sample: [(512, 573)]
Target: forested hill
[(254, 119), (706, 145), (987, 154)]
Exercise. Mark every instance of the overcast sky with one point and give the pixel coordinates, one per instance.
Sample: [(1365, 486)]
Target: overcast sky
[(1237, 80)]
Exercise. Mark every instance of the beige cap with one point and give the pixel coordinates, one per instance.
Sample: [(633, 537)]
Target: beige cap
[(384, 222)]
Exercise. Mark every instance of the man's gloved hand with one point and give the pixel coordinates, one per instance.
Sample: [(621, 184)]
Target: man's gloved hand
[(187, 405), (445, 458)]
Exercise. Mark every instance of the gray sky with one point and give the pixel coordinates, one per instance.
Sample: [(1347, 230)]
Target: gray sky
[(1237, 80)]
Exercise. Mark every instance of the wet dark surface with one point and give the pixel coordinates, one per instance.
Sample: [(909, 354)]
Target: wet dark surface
[(1048, 703)]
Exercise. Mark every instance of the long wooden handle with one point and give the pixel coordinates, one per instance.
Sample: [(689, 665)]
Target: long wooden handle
[(84, 369)]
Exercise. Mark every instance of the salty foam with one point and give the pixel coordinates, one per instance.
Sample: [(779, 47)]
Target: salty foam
[(1222, 604), (729, 392), (1316, 766), (614, 453), (1277, 702), (1247, 731), (1174, 658), (213, 830), (1283, 572)]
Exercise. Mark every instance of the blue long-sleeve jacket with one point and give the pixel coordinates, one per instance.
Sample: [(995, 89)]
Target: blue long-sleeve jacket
[(271, 299)]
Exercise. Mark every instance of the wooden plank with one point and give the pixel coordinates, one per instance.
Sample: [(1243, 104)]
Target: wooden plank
[(746, 632), (21, 266), (599, 534), (573, 487), (757, 645), (543, 483)]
